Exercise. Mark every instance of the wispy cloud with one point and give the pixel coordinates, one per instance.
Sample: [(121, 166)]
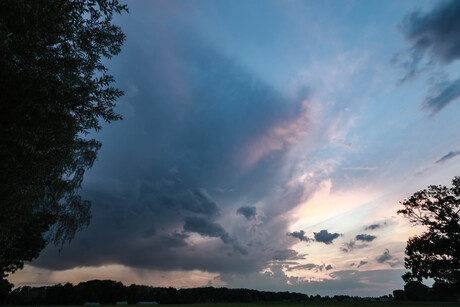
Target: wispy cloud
[(361, 168), (450, 155), (365, 237), (375, 226), (436, 32), (351, 245), (447, 93), (433, 36), (384, 257)]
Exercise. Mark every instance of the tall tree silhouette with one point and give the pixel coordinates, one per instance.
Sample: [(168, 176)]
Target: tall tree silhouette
[(436, 252), (54, 90)]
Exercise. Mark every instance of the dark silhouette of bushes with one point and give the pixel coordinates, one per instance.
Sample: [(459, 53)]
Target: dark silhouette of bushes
[(416, 291), (110, 292)]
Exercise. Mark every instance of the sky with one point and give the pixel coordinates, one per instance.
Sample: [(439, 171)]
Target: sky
[(268, 145)]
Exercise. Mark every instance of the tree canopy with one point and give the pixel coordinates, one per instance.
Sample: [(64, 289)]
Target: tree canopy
[(436, 252), (54, 90)]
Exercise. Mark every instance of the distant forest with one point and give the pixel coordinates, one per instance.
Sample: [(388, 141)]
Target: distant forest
[(110, 292)]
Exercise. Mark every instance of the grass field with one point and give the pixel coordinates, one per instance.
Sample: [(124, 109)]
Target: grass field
[(306, 304), (281, 304)]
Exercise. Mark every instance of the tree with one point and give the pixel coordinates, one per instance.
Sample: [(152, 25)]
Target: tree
[(436, 252), (54, 90), (5, 289)]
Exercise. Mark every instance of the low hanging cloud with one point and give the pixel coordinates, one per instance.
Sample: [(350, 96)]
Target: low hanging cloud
[(248, 212), (362, 262), (384, 257), (299, 235), (346, 280), (325, 237), (450, 155), (365, 237)]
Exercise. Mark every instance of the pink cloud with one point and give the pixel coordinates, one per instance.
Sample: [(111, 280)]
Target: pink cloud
[(278, 137)]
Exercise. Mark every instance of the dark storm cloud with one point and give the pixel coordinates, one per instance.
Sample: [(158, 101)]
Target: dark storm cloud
[(325, 237), (149, 232), (175, 165), (102, 244), (248, 212), (365, 237), (208, 228), (204, 227), (299, 235), (361, 263), (199, 201), (448, 156), (174, 240), (384, 257)]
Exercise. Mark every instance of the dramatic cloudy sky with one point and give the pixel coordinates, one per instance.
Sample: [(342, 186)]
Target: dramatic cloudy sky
[(267, 144)]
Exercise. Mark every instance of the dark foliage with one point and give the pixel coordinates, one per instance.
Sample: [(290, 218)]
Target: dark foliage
[(54, 89), (445, 292), (5, 288), (110, 292), (436, 252), (399, 295), (416, 291)]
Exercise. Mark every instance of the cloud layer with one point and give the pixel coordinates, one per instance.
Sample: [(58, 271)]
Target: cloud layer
[(201, 133)]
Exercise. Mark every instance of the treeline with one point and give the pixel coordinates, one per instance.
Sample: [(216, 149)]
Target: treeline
[(110, 292), (416, 291)]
